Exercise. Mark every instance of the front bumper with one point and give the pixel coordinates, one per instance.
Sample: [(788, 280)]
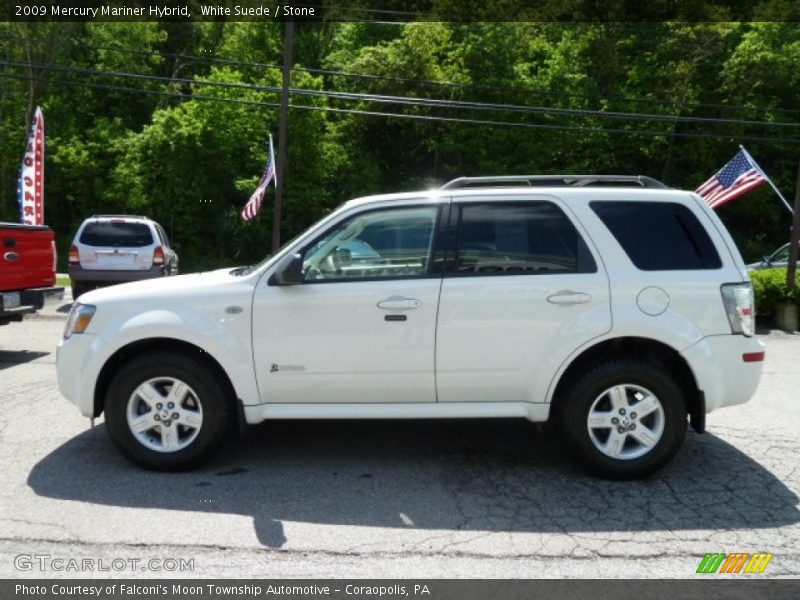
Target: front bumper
[(721, 372), (78, 363)]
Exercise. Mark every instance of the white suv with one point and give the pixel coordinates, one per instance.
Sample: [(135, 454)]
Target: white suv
[(110, 249), (614, 306)]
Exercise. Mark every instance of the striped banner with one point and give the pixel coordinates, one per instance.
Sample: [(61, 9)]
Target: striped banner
[(30, 188)]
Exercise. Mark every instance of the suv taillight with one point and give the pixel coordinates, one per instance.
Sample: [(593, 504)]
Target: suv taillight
[(158, 256), (74, 257), (740, 307)]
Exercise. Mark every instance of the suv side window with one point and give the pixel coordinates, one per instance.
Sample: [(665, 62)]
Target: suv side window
[(519, 238), (163, 235), (659, 236), (377, 244)]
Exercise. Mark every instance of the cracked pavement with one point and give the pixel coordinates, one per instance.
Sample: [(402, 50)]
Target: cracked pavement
[(392, 499)]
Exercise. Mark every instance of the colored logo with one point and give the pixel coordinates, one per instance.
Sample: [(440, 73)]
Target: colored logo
[(736, 562)]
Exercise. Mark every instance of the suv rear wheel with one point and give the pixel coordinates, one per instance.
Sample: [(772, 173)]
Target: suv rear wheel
[(166, 411), (623, 419), (78, 289)]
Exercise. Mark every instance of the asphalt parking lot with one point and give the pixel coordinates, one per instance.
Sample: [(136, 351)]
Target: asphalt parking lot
[(389, 499)]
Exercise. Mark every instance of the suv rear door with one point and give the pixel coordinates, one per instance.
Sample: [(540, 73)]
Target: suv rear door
[(116, 245), (526, 290)]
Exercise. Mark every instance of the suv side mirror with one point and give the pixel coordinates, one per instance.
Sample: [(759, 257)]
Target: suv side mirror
[(289, 272)]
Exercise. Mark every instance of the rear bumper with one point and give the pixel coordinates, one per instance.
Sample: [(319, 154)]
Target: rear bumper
[(81, 275), (30, 301), (41, 297), (721, 371)]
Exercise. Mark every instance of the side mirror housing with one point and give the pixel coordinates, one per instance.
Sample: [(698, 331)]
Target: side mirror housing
[(289, 271)]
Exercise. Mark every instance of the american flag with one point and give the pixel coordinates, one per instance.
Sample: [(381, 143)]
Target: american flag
[(253, 205), (738, 177)]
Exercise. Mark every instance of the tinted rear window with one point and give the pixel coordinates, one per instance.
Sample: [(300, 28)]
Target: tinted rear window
[(659, 236), (116, 234)]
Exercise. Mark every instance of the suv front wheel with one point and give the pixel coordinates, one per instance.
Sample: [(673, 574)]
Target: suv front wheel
[(166, 411), (623, 419)]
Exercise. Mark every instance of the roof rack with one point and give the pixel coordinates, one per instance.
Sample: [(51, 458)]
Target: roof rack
[(118, 217), (555, 181)]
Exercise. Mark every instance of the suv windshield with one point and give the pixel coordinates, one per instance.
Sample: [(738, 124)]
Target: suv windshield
[(116, 234)]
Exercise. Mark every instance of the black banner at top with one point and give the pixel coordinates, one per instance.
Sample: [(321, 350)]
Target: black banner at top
[(399, 11)]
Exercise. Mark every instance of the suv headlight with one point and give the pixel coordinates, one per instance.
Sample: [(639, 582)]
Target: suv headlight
[(79, 318)]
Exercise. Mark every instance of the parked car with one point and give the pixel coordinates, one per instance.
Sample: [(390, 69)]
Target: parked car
[(613, 306), (111, 249), (779, 258), (27, 270)]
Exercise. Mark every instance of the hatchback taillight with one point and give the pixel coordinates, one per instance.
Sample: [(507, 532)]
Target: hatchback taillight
[(74, 256), (740, 307), (158, 256)]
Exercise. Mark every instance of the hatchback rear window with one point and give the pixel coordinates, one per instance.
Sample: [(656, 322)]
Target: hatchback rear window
[(659, 236), (116, 234)]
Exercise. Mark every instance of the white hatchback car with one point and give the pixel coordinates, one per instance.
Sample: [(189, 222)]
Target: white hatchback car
[(612, 305)]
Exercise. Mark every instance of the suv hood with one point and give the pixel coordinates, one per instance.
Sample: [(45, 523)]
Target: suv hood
[(161, 288)]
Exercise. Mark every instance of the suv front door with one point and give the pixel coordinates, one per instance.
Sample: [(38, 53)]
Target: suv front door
[(362, 325), (525, 293)]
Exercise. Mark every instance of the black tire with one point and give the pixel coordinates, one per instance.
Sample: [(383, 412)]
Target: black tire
[(78, 289), (573, 407), (205, 390)]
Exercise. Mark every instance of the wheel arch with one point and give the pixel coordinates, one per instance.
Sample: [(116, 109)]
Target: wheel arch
[(638, 348), (125, 353)]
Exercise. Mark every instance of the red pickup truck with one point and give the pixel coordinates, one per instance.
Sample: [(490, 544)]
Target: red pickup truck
[(27, 270)]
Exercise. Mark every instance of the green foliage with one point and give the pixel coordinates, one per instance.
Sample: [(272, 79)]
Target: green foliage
[(770, 289), (183, 139)]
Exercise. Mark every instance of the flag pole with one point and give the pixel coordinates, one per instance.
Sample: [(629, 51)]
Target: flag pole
[(794, 242), (769, 181), (280, 167)]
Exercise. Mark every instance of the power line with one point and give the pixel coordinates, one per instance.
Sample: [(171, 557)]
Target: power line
[(367, 76), (490, 122), (412, 101)]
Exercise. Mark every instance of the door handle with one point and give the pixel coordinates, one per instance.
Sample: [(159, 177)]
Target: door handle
[(569, 297), (11, 256), (399, 303)]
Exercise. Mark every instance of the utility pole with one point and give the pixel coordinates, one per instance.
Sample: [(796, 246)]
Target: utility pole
[(280, 168), (791, 282)]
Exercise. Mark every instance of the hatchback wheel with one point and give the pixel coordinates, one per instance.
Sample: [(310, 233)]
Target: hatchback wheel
[(624, 419), (166, 411)]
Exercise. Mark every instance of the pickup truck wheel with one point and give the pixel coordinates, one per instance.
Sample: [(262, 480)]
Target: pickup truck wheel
[(624, 419), (166, 412)]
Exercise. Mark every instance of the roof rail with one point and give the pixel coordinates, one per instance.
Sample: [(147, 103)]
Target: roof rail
[(555, 181), (118, 217)]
